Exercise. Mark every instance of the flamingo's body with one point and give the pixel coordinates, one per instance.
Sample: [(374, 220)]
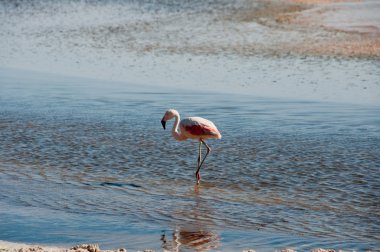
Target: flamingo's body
[(196, 128)]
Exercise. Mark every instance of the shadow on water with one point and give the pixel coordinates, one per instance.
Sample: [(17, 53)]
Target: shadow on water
[(195, 235)]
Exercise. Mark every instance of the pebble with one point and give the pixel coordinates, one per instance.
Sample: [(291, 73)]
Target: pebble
[(86, 248)]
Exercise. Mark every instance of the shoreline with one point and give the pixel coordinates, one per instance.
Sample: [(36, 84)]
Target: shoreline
[(6, 246)]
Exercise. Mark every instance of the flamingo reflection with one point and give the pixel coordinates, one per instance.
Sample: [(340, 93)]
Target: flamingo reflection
[(190, 240), (194, 235)]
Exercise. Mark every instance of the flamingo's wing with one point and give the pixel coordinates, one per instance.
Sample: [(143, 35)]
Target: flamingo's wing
[(198, 126)]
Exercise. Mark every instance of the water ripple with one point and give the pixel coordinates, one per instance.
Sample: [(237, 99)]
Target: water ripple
[(308, 169)]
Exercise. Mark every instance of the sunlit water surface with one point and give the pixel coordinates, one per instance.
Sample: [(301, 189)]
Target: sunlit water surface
[(88, 161)]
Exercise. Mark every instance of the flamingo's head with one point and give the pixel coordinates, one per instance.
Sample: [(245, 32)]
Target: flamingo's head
[(169, 114)]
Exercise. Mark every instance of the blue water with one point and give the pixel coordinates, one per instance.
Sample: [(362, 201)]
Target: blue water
[(87, 161)]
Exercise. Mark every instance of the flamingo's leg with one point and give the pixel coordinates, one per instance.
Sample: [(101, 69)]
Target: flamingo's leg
[(208, 151), (197, 176)]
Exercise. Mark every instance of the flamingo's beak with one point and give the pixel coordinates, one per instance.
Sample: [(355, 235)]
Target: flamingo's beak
[(163, 123)]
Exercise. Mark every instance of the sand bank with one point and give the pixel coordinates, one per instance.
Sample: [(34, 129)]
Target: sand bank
[(354, 28), (18, 247), (299, 27)]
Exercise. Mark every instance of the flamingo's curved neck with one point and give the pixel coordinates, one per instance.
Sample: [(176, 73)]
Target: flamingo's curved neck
[(176, 134)]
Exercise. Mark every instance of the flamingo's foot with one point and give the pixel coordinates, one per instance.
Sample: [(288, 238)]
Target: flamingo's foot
[(198, 176)]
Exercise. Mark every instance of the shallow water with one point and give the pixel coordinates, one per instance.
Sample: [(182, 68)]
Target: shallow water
[(88, 161)]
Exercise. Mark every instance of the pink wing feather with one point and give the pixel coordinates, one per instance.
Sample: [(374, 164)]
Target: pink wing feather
[(198, 126)]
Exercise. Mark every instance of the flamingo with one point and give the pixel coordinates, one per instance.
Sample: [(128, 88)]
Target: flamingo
[(196, 128)]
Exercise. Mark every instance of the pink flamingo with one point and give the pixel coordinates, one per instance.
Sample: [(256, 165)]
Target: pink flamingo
[(196, 128)]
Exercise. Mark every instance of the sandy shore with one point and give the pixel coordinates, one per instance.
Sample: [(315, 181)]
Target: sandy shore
[(18, 247), (21, 247)]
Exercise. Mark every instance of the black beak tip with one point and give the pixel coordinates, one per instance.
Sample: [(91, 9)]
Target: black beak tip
[(163, 124)]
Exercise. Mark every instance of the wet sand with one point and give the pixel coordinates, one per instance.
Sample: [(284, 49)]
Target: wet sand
[(356, 28), (298, 27)]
